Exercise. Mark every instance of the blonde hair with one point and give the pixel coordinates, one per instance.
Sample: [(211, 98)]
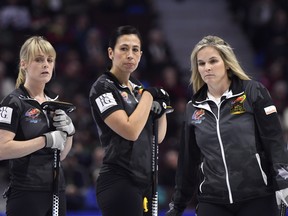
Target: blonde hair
[(226, 54), (31, 47)]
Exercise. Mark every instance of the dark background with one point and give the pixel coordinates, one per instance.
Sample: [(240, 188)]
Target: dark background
[(79, 31)]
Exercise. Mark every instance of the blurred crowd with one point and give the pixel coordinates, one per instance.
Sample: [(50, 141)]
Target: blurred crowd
[(265, 22), (79, 30)]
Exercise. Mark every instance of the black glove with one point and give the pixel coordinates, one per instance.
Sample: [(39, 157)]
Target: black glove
[(173, 212), (158, 93), (159, 107), (157, 110), (282, 197)]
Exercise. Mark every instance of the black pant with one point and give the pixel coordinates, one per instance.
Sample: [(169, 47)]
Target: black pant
[(265, 206), (36, 203), (119, 195)]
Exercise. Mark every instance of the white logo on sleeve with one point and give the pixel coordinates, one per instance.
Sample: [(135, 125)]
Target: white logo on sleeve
[(270, 109), (105, 101), (6, 114)]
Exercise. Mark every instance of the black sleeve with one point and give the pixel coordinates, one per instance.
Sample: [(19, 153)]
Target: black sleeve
[(270, 134), (10, 109), (188, 170), (104, 99)]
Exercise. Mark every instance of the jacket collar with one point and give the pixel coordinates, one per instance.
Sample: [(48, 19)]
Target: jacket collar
[(235, 89), (25, 95), (134, 82)]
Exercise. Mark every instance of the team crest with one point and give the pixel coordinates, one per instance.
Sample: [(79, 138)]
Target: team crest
[(198, 116), (125, 97), (32, 115), (237, 106)]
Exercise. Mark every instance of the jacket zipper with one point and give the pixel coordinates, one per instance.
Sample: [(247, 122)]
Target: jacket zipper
[(223, 155)]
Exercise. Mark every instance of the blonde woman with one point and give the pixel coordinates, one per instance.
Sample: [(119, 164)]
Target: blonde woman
[(26, 137), (232, 152)]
